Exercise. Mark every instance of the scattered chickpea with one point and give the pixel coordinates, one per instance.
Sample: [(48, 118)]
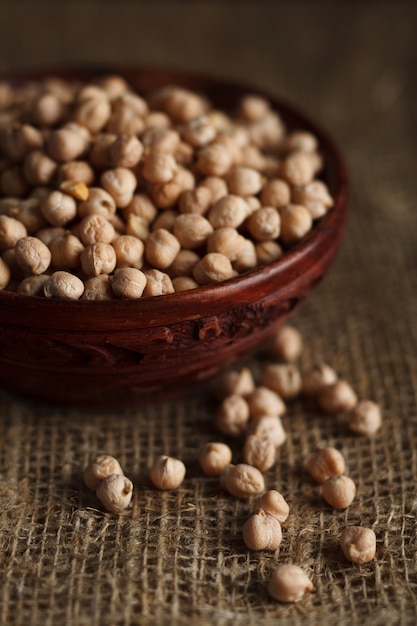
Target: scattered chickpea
[(262, 531), (239, 382), (99, 468), (269, 426), (317, 377), (167, 472), (273, 503), (339, 491), (242, 480), (232, 415), (283, 378), (286, 343), (265, 401), (214, 457), (259, 451), (358, 544), (115, 493), (365, 418), (337, 397), (289, 583), (325, 462)]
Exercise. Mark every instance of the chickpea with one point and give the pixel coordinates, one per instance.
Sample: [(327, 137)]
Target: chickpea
[(126, 151), (317, 377), (213, 268), (196, 200), (32, 256), (246, 258), (98, 288), (286, 343), (365, 418), (167, 472), (242, 480), (93, 113), (229, 211), (5, 274), (98, 258), (217, 187), (315, 197), (259, 451), (115, 493), (58, 208), (192, 230), (66, 251), (183, 264), (244, 181), (96, 228), (264, 224), (214, 457), (339, 491), (289, 583), (33, 285), (283, 378), (184, 283), (296, 222), (265, 401), (157, 283), (358, 544), (161, 248), (337, 397), (214, 160), (39, 168), (262, 531), (99, 202), (253, 108), (142, 206), (120, 183), (239, 382), (226, 241), (233, 415), (298, 168), (129, 251), (11, 230), (267, 252), (269, 426), (159, 167), (273, 503), (158, 139), (128, 282), (325, 462), (12, 182), (63, 285), (67, 144)]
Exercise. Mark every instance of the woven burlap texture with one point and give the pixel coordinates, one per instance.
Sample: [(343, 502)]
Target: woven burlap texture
[(178, 557)]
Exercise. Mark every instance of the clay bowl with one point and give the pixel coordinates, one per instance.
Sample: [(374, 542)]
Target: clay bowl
[(123, 352)]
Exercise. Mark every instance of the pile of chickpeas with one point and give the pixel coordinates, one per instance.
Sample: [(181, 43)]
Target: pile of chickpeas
[(251, 410), (108, 193)]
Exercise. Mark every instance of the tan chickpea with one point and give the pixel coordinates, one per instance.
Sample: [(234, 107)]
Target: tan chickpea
[(166, 220), (246, 258), (99, 155), (157, 283), (67, 144), (244, 181), (196, 200), (127, 116), (229, 211), (5, 274), (269, 426), (129, 251), (98, 258), (339, 491), (267, 132), (283, 378), (267, 252), (28, 212), (300, 140), (161, 248), (262, 531), (227, 241), (325, 462), (115, 493), (265, 401), (286, 343), (99, 202), (66, 251), (32, 285), (157, 119), (166, 195), (365, 418), (337, 397), (126, 151), (50, 233), (128, 283), (39, 168), (47, 110), (317, 377), (120, 183), (298, 168), (315, 197), (90, 91), (198, 131), (167, 472), (192, 230), (58, 208), (214, 160), (289, 583), (217, 187), (159, 167), (183, 264), (179, 103), (242, 480), (17, 140), (113, 85), (273, 503), (184, 283), (7, 95), (11, 230), (213, 268), (142, 206), (259, 451), (214, 457), (184, 154), (98, 288), (158, 139), (232, 416), (96, 228), (264, 224), (358, 544), (63, 285), (240, 382), (253, 107), (32, 256), (296, 222), (93, 113)]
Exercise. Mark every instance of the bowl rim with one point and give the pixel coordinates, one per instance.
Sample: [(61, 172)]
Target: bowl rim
[(195, 301)]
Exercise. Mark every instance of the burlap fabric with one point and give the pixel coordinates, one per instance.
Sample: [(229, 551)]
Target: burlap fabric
[(178, 558)]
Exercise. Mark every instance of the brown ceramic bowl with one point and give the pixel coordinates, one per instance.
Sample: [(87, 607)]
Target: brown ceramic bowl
[(122, 352)]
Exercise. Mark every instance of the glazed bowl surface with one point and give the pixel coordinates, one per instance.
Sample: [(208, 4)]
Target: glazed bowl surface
[(124, 352)]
